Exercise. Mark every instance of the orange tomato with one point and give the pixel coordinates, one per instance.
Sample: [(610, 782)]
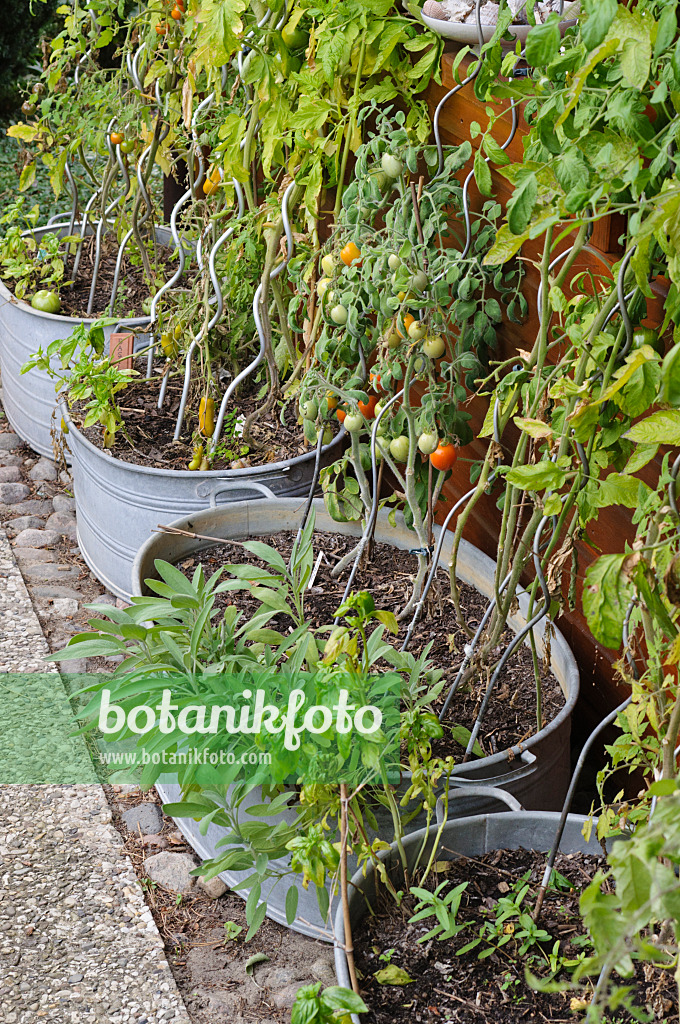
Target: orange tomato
[(367, 409), (341, 413), (375, 381), (408, 320), (161, 29), (332, 401), (444, 457), (350, 254), (116, 138), (176, 13)]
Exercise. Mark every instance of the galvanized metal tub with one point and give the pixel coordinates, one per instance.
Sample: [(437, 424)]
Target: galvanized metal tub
[(30, 399), (539, 778), (119, 504), (472, 837)]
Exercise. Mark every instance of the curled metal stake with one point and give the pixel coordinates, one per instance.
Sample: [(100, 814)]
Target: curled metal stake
[(470, 650), (516, 640), (466, 185), (584, 463), (258, 322), (135, 68), (117, 159), (672, 498), (452, 92), (74, 194), (83, 228), (445, 525), (141, 222), (202, 333), (370, 522), (310, 496), (558, 259), (607, 721), (622, 302), (170, 283)]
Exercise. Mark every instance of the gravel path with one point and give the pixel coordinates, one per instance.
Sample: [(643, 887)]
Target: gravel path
[(77, 941), (97, 921)]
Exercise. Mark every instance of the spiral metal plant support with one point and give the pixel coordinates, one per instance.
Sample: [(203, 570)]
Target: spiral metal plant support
[(258, 321), (452, 92)]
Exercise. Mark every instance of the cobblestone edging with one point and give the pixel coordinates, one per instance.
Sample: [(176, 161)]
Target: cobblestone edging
[(77, 941)]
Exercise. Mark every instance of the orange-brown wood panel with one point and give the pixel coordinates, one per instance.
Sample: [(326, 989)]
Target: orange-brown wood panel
[(599, 688)]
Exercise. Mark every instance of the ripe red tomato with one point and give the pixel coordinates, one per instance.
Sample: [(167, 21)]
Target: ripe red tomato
[(368, 408), (350, 254), (341, 413), (444, 457)]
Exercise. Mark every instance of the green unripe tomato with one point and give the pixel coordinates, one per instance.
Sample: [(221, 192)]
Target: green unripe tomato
[(399, 447), (46, 301), (146, 306), (354, 422), (328, 265), (309, 409), (128, 145), (416, 330), (322, 287), (339, 315), (393, 262), (648, 336), (434, 346), (391, 165), (294, 38), (393, 339), (382, 425), (420, 280), (427, 443), (327, 435)]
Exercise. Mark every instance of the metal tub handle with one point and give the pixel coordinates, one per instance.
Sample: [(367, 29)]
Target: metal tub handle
[(528, 767), (483, 792), (211, 490)]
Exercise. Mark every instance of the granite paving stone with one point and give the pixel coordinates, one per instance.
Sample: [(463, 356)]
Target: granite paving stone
[(78, 944)]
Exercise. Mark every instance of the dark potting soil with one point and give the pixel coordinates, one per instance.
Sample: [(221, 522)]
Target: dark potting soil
[(448, 987), (150, 431), (511, 715), (133, 288)]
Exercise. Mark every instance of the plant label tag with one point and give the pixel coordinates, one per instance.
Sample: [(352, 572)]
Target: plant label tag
[(122, 346)]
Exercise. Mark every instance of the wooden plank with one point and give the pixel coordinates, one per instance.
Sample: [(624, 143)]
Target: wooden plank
[(600, 690)]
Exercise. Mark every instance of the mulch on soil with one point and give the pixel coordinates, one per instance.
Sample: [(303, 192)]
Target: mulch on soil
[(133, 288), (148, 439), (511, 715), (447, 987)]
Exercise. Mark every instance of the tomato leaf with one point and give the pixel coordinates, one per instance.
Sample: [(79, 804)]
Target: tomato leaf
[(660, 428), (521, 206), (537, 477), (606, 595), (482, 174), (543, 42)]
